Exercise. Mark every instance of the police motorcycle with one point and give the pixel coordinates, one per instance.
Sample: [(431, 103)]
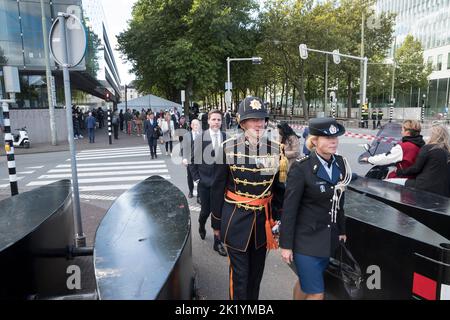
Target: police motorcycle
[(21, 138), (388, 136)]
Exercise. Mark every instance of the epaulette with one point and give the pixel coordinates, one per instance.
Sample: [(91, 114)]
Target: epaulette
[(302, 159)]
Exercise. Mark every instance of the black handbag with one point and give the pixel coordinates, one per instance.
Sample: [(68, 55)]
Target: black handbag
[(345, 280)]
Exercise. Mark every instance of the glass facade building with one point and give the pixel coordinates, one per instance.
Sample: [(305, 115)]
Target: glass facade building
[(429, 22), (22, 46)]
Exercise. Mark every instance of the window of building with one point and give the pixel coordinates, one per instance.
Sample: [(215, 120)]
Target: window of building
[(448, 61), (439, 63), (430, 61)]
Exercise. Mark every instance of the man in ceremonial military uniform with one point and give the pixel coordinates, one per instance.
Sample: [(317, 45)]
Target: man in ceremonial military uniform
[(247, 198)]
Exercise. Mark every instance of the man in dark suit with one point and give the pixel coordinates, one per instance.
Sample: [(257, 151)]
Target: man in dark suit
[(187, 153), (203, 171), (152, 132)]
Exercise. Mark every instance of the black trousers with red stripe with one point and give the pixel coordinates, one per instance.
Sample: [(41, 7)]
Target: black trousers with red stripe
[(246, 272)]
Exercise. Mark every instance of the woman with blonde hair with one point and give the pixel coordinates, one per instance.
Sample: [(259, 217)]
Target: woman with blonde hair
[(403, 154), (431, 167)]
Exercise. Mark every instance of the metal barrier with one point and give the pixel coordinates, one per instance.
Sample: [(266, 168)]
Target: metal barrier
[(36, 237), (413, 261), (143, 246), (428, 208)]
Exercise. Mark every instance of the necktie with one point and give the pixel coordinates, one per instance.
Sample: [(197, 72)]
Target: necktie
[(216, 141)]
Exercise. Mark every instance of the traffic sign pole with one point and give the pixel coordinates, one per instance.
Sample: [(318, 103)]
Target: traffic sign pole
[(80, 237)]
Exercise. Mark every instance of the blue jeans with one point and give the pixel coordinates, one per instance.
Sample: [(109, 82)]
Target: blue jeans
[(91, 132)]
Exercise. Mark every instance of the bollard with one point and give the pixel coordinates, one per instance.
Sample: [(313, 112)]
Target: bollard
[(9, 148), (109, 124), (391, 114)]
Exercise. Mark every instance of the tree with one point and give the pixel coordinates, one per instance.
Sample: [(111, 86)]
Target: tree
[(93, 44), (183, 44), (411, 71)]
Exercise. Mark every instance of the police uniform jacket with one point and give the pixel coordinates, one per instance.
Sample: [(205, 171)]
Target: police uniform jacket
[(307, 226), (249, 172)]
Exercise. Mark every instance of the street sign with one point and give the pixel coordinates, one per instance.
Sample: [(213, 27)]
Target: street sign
[(76, 41), (303, 51), (336, 57), (228, 98), (53, 87), (183, 95), (11, 78), (228, 85), (256, 60), (333, 96)]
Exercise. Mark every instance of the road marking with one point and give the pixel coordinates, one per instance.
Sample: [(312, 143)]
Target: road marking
[(119, 149), (114, 154), (26, 172), (115, 157), (157, 166), (96, 197), (104, 174), (36, 167), (96, 180), (106, 187), (83, 165), (4, 185)]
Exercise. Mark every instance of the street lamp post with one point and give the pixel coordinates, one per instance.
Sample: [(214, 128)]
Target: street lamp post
[(336, 58), (229, 86)]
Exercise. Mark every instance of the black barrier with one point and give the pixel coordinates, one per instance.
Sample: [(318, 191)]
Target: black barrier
[(400, 258), (143, 246), (430, 209), (33, 226)]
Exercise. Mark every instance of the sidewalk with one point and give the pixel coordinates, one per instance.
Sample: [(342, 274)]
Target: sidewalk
[(101, 142)]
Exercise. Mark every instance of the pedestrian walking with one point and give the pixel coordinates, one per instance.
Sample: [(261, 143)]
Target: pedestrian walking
[(247, 198), (90, 125), (187, 154), (379, 118), (313, 219), (121, 119), (168, 130), (152, 132), (115, 124), (203, 170)]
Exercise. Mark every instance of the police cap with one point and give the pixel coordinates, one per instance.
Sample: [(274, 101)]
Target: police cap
[(252, 108), (325, 127)]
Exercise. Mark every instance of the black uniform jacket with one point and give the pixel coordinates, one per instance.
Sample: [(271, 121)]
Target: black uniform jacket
[(248, 172), (306, 223), (204, 161)]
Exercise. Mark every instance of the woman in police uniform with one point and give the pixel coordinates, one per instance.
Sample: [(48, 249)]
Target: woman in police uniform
[(313, 220)]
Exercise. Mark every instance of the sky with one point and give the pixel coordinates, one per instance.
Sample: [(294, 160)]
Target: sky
[(117, 13)]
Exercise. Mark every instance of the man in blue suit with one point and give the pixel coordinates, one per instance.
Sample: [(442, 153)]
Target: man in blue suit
[(152, 132), (90, 125)]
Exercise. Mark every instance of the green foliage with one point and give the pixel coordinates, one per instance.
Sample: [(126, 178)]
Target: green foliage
[(411, 70), (93, 44), (183, 44)]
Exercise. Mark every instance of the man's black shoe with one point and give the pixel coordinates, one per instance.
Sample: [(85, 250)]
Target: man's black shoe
[(190, 195), (202, 231), (220, 249)]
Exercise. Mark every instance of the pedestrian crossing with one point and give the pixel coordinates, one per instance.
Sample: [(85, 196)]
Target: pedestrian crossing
[(107, 172)]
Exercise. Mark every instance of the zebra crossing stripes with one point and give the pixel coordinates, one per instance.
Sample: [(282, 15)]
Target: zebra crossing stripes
[(104, 176)]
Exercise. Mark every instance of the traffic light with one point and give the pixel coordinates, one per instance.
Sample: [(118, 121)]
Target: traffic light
[(256, 60), (303, 51), (107, 96)]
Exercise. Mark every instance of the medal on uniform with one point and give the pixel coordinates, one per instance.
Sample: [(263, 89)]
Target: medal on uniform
[(322, 189)]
